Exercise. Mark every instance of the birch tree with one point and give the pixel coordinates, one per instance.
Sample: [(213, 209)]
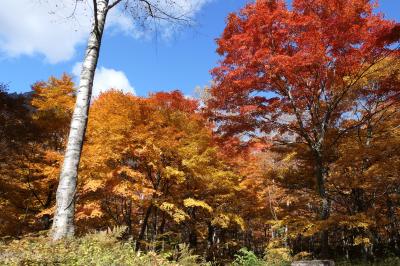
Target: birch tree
[(140, 10)]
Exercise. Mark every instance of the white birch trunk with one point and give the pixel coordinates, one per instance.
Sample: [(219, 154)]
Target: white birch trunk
[(63, 223)]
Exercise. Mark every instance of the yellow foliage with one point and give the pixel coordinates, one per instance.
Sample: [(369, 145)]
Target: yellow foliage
[(89, 211), (189, 202), (356, 221), (274, 243), (276, 256), (224, 220), (363, 241), (221, 220), (173, 173), (129, 172), (289, 157), (275, 224), (239, 221), (302, 255), (124, 188), (92, 185), (176, 214)]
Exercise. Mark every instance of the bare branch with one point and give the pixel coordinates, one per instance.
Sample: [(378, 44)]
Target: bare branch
[(73, 11), (164, 15), (116, 2), (96, 22)]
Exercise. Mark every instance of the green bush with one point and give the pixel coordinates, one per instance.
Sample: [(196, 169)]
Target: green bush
[(247, 258), (273, 257)]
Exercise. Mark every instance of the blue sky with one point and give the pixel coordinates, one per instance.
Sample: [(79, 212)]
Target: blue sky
[(180, 62)]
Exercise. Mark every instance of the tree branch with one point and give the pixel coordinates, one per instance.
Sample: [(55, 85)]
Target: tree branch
[(96, 22), (116, 2), (151, 8)]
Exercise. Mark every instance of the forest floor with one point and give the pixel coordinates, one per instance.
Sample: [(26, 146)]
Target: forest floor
[(106, 249)]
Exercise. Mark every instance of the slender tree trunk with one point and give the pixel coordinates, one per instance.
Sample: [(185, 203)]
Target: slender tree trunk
[(192, 229), (155, 229), (160, 232), (209, 251), (63, 224), (144, 227), (128, 218), (162, 226), (46, 219), (321, 174)]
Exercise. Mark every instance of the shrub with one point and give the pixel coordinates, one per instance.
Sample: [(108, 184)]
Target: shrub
[(93, 249), (278, 256), (247, 258)]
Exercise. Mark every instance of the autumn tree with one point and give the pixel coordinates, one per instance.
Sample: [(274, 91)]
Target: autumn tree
[(63, 225), (16, 131), (296, 76), (33, 132), (155, 169), (52, 105), (364, 187)]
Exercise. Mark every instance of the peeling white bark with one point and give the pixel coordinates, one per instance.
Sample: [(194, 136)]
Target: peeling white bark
[(63, 223)]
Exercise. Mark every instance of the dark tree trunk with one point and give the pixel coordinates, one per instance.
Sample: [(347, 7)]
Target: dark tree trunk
[(192, 230), (162, 225), (128, 218), (210, 243), (144, 227), (321, 172), (192, 238)]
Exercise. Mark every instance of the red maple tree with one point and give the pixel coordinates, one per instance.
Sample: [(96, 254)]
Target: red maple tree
[(303, 75)]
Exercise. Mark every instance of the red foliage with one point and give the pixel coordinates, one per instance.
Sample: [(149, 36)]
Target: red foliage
[(279, 63), (174, 100)]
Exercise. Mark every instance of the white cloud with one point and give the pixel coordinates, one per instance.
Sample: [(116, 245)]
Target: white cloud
[(106, 79), (31, 27), (45, 27), (189, 97)]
